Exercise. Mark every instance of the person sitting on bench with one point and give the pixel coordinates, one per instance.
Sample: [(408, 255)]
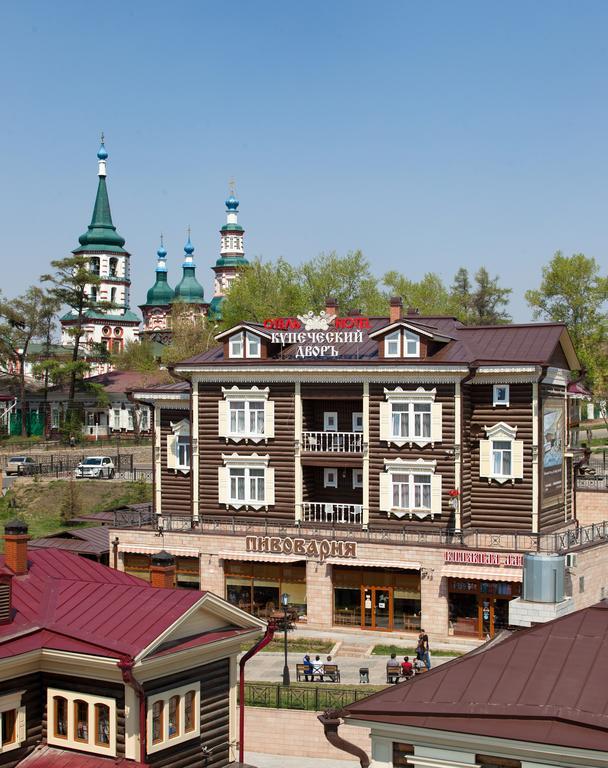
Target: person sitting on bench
[(318, 668), (407, 668), (393, 669)]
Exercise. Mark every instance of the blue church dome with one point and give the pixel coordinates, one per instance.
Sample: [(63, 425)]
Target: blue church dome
[(232, 203)]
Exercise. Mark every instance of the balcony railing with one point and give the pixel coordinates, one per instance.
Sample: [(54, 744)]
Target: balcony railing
[(333, 442), (329, 512)]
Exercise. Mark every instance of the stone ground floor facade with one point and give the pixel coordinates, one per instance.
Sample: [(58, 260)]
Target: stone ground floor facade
[(349, 583)]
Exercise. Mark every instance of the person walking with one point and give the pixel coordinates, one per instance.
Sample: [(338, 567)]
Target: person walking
[(423, 651)]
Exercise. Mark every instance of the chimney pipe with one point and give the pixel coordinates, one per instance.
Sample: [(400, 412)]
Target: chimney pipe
[(396, 309), (331, 306), (162, 570), (15, 546)]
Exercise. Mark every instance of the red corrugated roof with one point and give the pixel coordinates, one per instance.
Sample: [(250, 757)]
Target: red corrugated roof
[(93, 540), (49, 757), (532, 343), (544, 684), (87, 606)]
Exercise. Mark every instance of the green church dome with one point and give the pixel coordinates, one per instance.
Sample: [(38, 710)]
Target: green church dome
[(189, 289)]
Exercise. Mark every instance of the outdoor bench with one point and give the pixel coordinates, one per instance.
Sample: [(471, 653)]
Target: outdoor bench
[(331, 672)]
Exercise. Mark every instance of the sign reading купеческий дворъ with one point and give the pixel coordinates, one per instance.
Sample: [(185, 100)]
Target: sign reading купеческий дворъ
[(312, 333), (317, 549)]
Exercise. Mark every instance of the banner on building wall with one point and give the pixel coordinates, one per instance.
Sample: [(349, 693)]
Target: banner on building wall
[(552, 483)]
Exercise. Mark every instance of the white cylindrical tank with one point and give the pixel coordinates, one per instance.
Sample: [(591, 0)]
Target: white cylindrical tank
[(544, 578)]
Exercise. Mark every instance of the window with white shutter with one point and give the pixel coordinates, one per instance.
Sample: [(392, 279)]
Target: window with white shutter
[(246, 481), (12, 722), (178, 446), (410, 488), (411, 417), (246, 415), (501, 455)]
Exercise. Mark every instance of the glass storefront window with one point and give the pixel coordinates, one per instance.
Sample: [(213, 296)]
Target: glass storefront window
[(406, 609), (347, 606), (257, 587)]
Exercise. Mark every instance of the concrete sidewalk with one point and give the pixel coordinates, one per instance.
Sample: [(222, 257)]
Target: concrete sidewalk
[(260, 760)]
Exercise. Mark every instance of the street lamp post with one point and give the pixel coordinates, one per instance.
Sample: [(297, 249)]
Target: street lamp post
[(285, 603)]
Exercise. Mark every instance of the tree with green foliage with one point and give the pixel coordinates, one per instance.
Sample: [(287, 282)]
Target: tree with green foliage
[(136, 356), (191, 335), (428, 295), (573, 291), (21, 321), (489, 300), (461, 294), (70, 284)]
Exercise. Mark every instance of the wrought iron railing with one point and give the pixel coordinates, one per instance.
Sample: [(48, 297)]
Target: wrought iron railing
[(590, 482), (330, 512), (308, 696), (332, 442)]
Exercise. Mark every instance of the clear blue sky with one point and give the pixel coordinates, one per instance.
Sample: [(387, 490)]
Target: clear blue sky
[(429, 134)]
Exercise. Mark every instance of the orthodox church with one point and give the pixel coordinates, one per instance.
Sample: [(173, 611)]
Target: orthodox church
[(113, 324)]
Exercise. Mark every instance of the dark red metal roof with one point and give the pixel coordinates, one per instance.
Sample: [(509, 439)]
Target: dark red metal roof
[(94, 540), (86, 606), (545, 684), (49, 757), (533, 343)]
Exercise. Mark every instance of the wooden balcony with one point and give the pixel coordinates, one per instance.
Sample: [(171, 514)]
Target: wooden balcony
[(332, 442), (331, 512)]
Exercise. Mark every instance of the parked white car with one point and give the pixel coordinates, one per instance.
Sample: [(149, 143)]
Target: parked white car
[(95, 467), (20, 465)]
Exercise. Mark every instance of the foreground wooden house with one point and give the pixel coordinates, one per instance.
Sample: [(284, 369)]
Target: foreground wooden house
[(387, 472), (99, 669), (536, 699)]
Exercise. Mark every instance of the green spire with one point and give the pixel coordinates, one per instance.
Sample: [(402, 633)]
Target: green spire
[(189, 289), (101, 234)]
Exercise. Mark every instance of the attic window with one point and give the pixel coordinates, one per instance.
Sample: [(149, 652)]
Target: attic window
[(235, 345), (253, 344), (402, 343)]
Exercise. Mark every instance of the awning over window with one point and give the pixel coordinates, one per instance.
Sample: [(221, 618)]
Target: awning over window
[(260, 557), (483, 574), (139, 550), (400, 564)]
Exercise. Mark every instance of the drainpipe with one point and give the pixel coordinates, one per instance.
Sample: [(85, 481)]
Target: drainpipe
[(126, 667), (271, 628), (330, 720)]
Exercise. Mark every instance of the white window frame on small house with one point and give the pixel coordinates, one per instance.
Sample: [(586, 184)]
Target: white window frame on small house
[(330, 477), (71, 739), (178, 446), (357, 476), (246, 482), (330, 421), (501, 455), (10, 706), (497, 400), (406, 411), (236, 344), (246, 415), (403, 488), (180, 734), (254, 344), (410, 338)]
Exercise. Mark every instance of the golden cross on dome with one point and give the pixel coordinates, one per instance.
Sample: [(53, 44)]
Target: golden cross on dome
[(188, 231), (232, 186), (162, 244), (102, 137)]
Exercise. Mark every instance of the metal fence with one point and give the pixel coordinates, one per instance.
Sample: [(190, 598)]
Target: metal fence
[(135, 516), (309, 697), (62, 465)]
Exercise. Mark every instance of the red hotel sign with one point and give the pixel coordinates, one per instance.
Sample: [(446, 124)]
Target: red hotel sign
[(316, 335), (482, 558), (277, 545)]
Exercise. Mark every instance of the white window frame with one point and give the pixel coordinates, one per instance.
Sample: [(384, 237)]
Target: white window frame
[(410, 469), (179, 447), (330, 477), (12, 701), (408, 338), (503, 433), (245, 464), (247, 397), (358, 421), (236, 345), (390, 339), (328, 416), (357, 478), (115, 418), (410, 399), (496, 401), (251, 340), (83, 746), (183, 735)]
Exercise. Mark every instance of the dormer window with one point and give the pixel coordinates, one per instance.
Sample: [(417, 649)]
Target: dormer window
[(402, 343), (253, 344), (392, 344), (236, 345)]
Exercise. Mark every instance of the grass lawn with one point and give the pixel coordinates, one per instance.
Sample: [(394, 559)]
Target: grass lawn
[(386, 650), (295, 645), (38, 502)]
